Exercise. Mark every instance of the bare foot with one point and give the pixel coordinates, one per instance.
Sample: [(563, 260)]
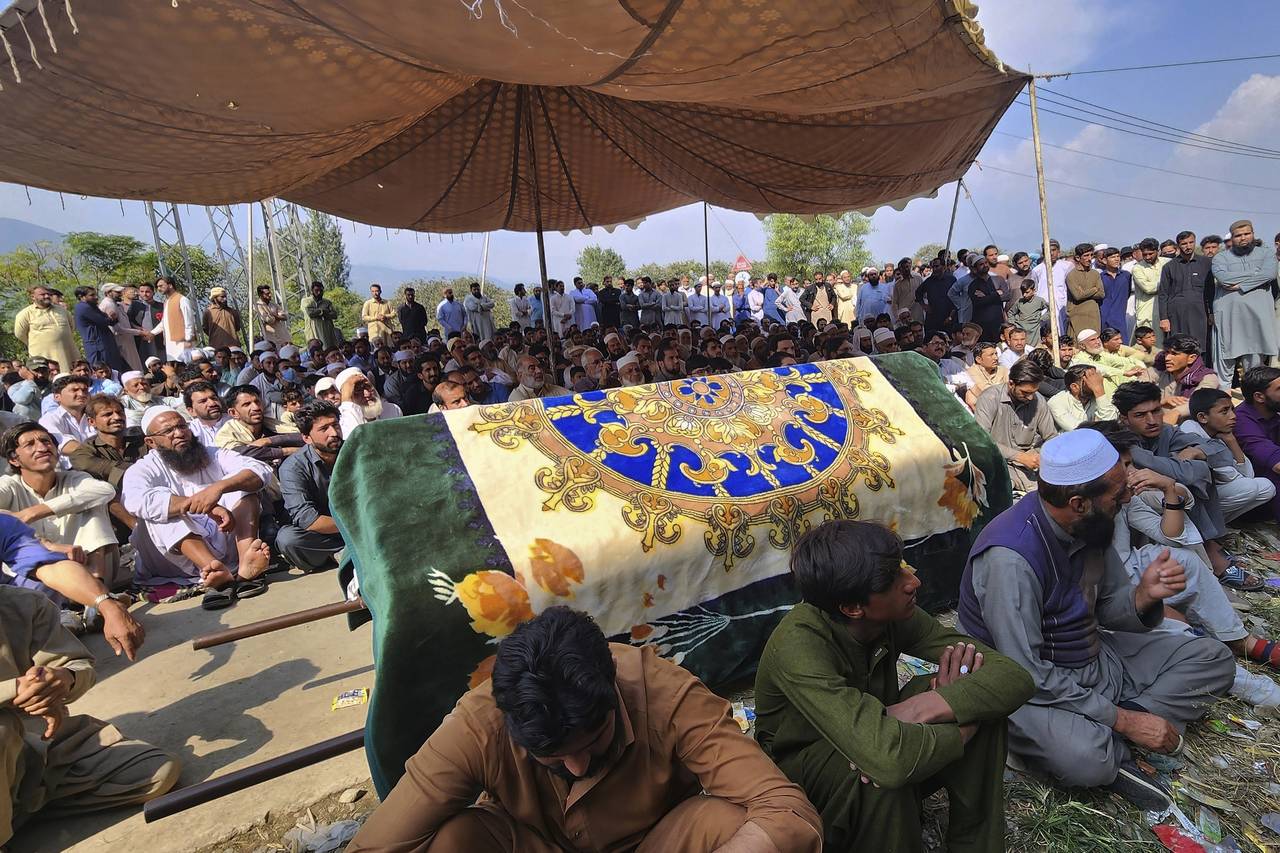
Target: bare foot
[(255, 560), (217, 578)]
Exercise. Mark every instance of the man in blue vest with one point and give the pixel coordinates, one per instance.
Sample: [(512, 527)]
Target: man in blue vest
[(1043, 580)]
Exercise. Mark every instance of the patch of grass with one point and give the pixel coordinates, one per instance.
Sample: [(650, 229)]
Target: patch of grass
[(1044, 819)]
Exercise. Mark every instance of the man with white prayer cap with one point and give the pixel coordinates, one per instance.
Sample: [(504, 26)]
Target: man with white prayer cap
[(326, 389), (288, 352), (360, 401), (1043, 581), (885, 340), (629, 370), (402, 377), (198, 510), (137, 397)]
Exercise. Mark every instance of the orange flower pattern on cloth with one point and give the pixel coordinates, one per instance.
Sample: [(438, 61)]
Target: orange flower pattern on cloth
[(482, 673), (956, 496), (554, 567), (496, 602)]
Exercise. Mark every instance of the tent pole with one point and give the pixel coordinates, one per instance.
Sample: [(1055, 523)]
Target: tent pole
[(706, 247), (952, 227), (537, 217), (484, 263), (251, 296), (1044, 221)]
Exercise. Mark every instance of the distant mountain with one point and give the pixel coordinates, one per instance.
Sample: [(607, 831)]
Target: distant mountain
[(363, 275), (15, 233)]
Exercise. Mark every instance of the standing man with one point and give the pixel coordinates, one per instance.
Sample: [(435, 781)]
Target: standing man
[(222, 324), (144, 312), (610, 299), (696, 307), (95, 331), (1117, 288), (273, 319), (177, 320), (1057, 280), (873, 299), (413, 318), (584, 305), (45, 329), (1244, 316), (629, 305), (378, 317), (1146, 283), (846, 298), (320, 315), (1085, 293), (1185, 294), (905, 285), (985, 299), (450, 314), (479, 310), (521, 308), (721, 307), (649, 304)]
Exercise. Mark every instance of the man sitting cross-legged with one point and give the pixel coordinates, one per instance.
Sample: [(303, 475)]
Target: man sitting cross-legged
[(310, 539), (67, 509), (197, 509), (830, 712), (1042, 580), (579, 744)]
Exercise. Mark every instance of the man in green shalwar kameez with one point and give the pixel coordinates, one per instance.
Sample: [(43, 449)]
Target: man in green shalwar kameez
[(831, 714)]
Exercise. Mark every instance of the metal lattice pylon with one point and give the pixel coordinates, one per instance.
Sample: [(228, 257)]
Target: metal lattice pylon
[(230, 256), (286, 249), (166, 231)]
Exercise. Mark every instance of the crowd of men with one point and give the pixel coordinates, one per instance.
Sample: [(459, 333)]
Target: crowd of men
[(1100, 603)]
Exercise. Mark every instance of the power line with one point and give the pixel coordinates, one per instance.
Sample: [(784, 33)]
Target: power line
[(969, 195), (1214, 180), (1131, 197), (1174, 141), (1162, 65), (1151, 124)]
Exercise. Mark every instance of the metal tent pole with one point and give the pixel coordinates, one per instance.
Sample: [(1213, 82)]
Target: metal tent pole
[(251, 296), (706, 248), (537, 217), (952, 227), (1044, 221)]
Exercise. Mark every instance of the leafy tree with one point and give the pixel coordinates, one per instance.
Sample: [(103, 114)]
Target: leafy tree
[(596, 262), (796, 247), (104, 254), (693, 268), (429, 292), (322, 238), (927, 252)]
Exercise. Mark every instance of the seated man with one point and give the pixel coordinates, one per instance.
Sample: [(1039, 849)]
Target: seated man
[(66, 421), (1115, 368), (247, 431), (1042, 579), (1155, 520), (109, 454), (1257, 426), (360, 401), (1018, 419), (208, 415), (52, 763), (581, 744), (1180, 455), (1213, 418), (197, 509), (828, 701), (1181, 373), (310, 539), (138, 397), (66, 509), (1083, 400), (448, 395), (533, 381)]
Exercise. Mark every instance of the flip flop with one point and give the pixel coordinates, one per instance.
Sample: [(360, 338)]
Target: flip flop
[(218, 599), (248, 589), (1236, 577)]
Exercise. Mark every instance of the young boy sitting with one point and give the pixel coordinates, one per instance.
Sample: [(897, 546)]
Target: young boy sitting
[(830, 713), (1213, 417)]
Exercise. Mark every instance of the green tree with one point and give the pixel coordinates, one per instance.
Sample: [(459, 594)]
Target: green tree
[(596, 262), (694, 268), (429, 292), (927, 252), (104, 254), (322, 239), (796, 247)]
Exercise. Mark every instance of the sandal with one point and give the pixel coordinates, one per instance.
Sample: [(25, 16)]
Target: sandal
[(248, 589), (1236, 577), (218, 599)]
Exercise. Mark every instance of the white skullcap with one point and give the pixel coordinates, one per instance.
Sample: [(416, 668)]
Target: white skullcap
[(237, 349), (402, 355), (111, 286), (347, 375), (1075, 458), (60, 375), (154, 412), (883, 334), (152, 358), (726, 339), (262, 346), (266, 355), (612, 336), (362, 330), (1086, 334), (195, 355), (325, 384), (288, 351), (630, 358), (335, 368), (1100, 247), (129, 376), (209, 351), (1002, 259)]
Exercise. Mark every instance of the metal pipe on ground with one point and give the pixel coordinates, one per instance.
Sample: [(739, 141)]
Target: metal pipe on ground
[(211, 789), (276, 623)]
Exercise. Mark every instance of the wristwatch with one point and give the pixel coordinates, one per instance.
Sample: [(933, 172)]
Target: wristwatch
[(1180, 505), (97, 602)]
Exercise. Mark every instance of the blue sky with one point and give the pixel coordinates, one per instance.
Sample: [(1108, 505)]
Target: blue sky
[(1238, 101)]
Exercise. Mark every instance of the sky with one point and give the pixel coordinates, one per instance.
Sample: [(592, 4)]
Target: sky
[(1233, 101)]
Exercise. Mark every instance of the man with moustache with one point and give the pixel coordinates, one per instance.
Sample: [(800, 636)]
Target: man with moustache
[(1244, 316), (310, 539)]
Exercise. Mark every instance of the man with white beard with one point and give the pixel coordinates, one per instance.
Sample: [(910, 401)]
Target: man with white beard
[(137, 397), (629, 370), (360, 401), (533, 382)]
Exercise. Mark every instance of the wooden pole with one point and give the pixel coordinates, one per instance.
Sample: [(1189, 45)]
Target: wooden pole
[(537, 216), (484, 263), (952, 227), (276, 623), (706, 247), (252, 295), (1044, 224)]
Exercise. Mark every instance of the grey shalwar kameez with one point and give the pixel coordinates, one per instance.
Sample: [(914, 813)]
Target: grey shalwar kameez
[(1244, 314)]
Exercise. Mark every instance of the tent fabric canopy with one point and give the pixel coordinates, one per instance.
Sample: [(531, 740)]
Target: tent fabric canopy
[(441, 116)]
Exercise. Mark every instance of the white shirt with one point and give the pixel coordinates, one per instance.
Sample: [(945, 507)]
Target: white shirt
[(755, 304), (188, 321), (149, 484), (204, 433), (1008, 357), (351, 415), (65, 427)]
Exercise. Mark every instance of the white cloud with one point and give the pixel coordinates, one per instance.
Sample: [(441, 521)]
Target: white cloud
[(1250, 115), (1058, 36)]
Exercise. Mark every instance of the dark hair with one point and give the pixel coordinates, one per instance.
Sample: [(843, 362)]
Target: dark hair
[(1082, 249), (1109, 251), (1214, 238), (304, 419), (1256, 380), (1183, 344), (1025, 372), (1109, 334), (72, 379), (982, 347), (1066, 340), (831, 345), (554, 678), (1142, 331), (1015, 330), (1149, 244), (1041, 359), (1017, 256), (1182, 235), (101, 401), (9, 441), (189, 391), (1132, 394), (1204, 399), (190, 373), (1164, 243), (845, 562), (81, 292), (1076, 373), (229, 401)]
